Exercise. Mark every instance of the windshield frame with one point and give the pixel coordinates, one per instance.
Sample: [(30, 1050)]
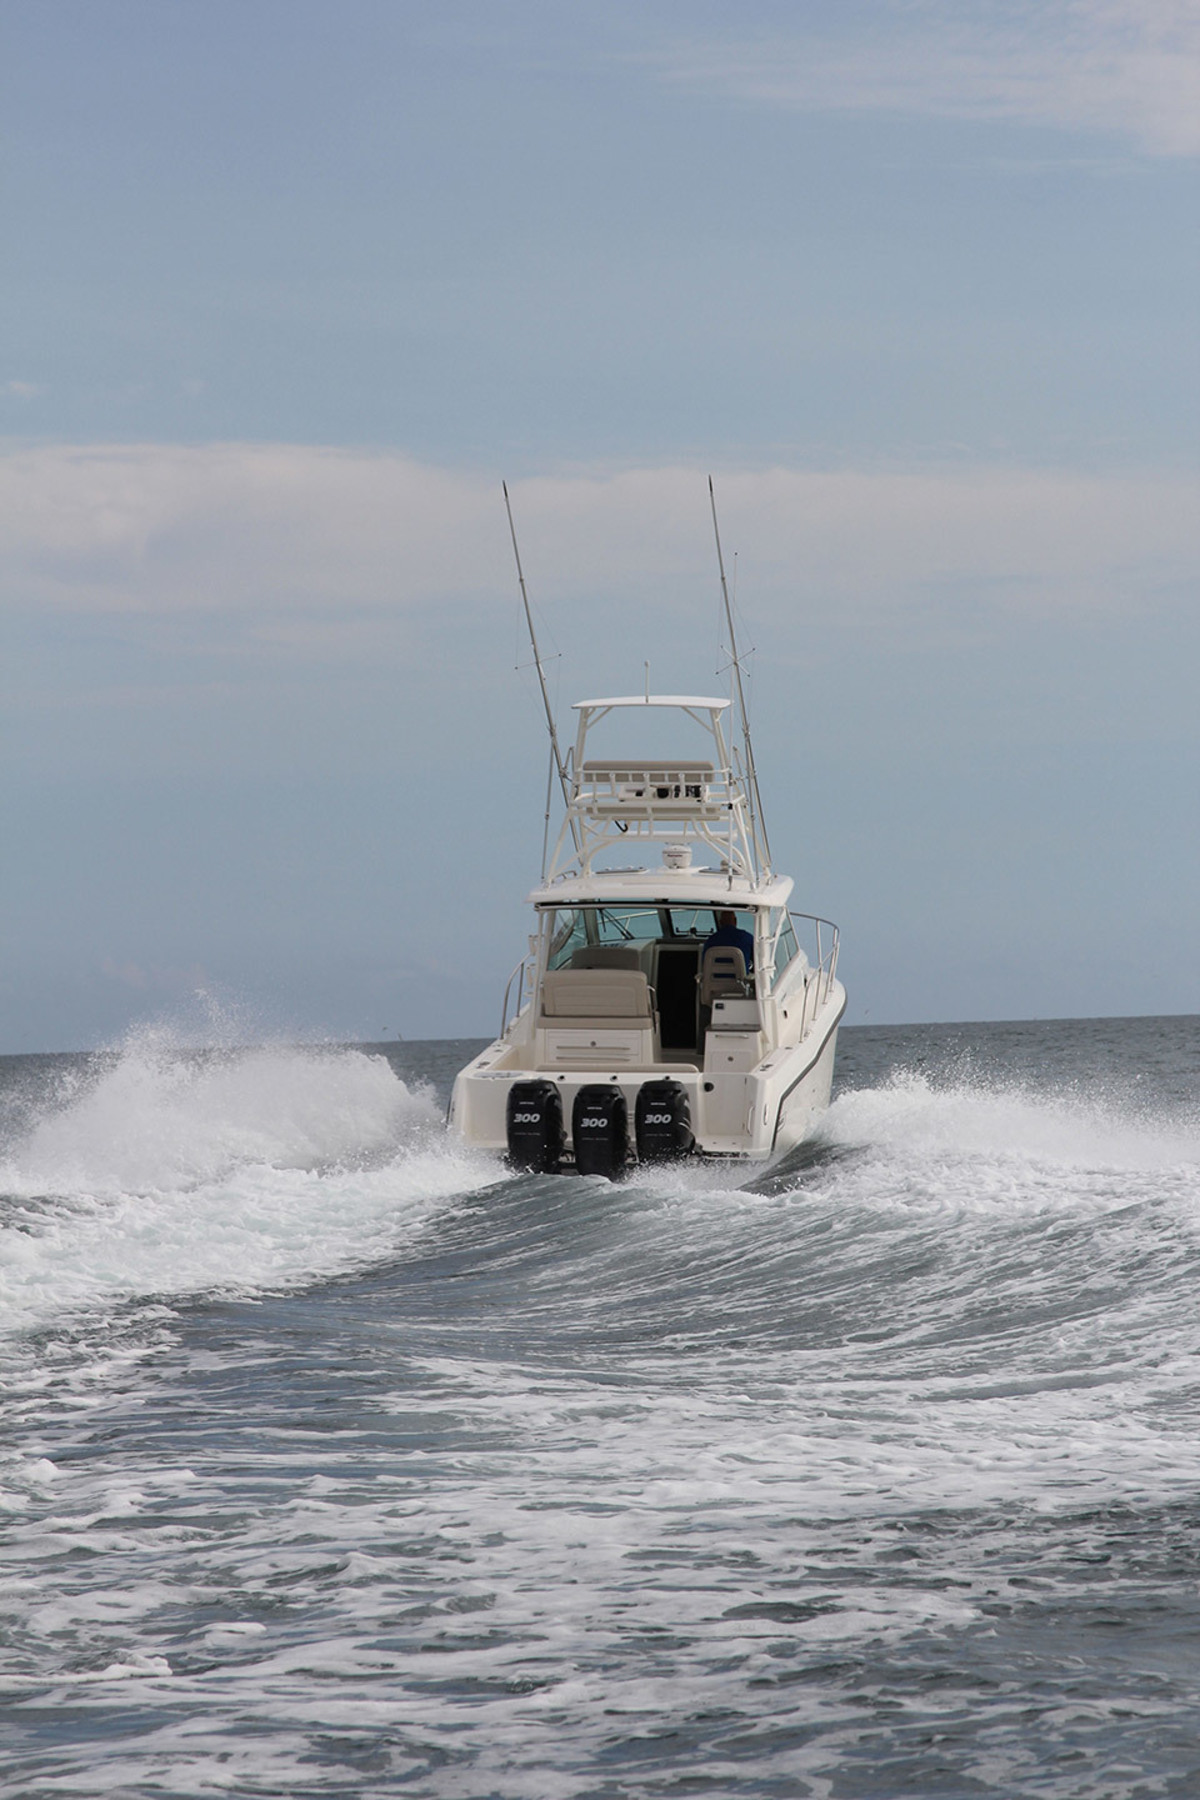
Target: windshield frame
[(568, 927)]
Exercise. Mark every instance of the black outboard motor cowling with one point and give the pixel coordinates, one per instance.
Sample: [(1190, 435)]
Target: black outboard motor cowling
[(663, 1121), (535, 1126), (600, 1131)]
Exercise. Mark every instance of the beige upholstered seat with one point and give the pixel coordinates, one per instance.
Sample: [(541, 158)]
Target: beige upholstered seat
[(606, 956), (722, 971), (596, 1019), (607, 997)]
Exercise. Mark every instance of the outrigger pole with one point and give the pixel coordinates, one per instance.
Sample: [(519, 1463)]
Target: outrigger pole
[(758, 823), (555, 752)]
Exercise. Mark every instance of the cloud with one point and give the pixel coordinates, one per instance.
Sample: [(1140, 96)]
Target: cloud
[(23, 390), (284, 537), (227, 527), (1123, 68)]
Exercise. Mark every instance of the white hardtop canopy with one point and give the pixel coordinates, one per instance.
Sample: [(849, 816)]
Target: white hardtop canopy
[(664, 887), (700, 701)]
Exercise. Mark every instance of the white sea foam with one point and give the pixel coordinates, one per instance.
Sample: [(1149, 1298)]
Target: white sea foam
[(168, 1175), (911, 1115), (657, 1479), (156, 1121), (999, 1150)]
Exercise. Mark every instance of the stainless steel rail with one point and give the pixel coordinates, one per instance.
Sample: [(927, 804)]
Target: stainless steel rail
[(521, 974), (820, 979)]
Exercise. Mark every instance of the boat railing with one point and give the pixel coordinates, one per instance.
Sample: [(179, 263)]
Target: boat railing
[(523, 978), (823, 939)]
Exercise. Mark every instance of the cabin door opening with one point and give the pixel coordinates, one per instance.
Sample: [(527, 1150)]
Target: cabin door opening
[(678, 998)]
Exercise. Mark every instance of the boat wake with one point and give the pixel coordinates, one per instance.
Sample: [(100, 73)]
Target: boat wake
[(913, 1116), (327, 1421), (156, 1173)]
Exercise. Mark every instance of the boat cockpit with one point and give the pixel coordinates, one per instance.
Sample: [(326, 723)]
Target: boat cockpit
[(650, 968)]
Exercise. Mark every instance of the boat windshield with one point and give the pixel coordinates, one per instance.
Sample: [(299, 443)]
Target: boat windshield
[(574, 929), (786, 946)]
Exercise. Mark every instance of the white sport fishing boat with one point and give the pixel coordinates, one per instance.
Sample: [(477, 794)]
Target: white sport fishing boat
[(672, 1008)]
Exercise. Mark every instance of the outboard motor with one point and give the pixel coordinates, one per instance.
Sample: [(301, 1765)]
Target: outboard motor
[(535, 1126), (600, 1130), (663, 1120)]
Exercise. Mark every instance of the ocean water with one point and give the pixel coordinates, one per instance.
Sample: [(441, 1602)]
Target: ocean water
[(336, 1461)]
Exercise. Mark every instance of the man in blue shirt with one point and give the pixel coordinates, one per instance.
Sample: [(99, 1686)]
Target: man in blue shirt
[(729, 934)]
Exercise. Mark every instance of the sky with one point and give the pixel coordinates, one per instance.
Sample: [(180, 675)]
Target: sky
[(290, 288)]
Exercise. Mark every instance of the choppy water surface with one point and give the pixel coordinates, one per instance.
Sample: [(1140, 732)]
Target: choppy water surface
[(336, 1461)]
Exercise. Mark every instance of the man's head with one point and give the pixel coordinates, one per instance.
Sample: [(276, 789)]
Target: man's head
[(725, 920)]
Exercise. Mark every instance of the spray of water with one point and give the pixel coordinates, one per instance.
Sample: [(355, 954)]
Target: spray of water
[(159, 1172)]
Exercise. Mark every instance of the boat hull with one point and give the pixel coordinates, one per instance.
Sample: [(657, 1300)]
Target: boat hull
[(741, 1105)]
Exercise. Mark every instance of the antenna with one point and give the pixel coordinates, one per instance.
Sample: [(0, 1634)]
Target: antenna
[(555, 752), (758, 824)]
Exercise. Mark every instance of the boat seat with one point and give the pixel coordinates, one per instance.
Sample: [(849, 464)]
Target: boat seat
[(723, 972), (596, 1019), (606, 956), (609, 998)]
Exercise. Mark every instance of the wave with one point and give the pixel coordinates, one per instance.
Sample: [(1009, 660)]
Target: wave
[(162, 1174), (156, 1174), (1065, 1127)]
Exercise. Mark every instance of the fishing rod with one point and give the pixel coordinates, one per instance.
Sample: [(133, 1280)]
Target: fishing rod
[(555, 751), (758, 826)]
